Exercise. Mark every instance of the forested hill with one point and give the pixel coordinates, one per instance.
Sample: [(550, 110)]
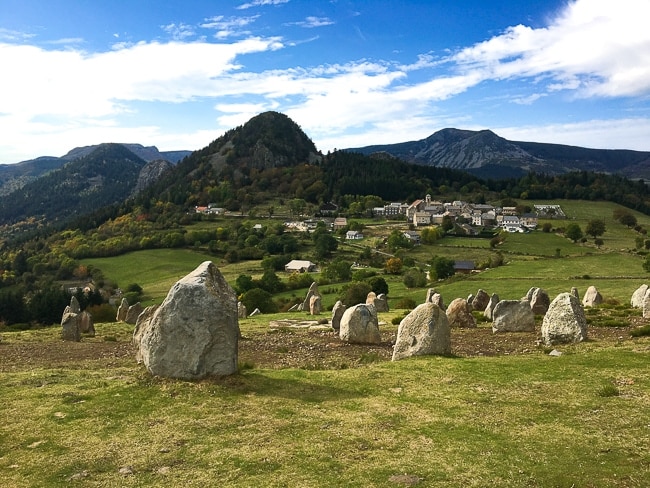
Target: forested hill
[(103, 177)]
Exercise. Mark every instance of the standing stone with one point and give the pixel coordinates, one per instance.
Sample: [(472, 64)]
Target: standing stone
[(470, 301), (359, 325), (313, 290), (459, 314), (574, 292), (74, 305), (480, 300), (337, 313), (194, 332), (539, 300), (436, 298), (565, 321), (646, 305), (241, 310), (637, 297), (381, 303), (424, 331), (592, 297), (70, 327), (513, 316), (122, 310), (133, 312), (494, 299), (430, 293), (86, 324), (370, 299), (315, 305)]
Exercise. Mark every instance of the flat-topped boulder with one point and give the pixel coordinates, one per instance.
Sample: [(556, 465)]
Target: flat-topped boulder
[(513, 316)]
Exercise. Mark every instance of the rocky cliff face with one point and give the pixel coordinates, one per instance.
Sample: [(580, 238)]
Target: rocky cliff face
[(150, 173)]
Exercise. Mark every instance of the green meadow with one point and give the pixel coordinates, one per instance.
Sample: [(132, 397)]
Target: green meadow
[(532, 420)]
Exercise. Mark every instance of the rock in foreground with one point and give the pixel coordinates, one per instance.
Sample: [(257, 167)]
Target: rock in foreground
[(195, 332)]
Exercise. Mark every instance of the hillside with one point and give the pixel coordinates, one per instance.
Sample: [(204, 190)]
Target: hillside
[(14, 176), (485, 154), (106, 175)]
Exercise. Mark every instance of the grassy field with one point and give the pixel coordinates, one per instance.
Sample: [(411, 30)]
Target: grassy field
[(577, 420)]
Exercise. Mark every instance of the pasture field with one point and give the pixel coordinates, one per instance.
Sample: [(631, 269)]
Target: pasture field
[(85, 414)]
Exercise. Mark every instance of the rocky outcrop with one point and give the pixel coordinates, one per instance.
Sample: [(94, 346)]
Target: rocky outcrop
[(194, 332), (424, 331), (150, 173)]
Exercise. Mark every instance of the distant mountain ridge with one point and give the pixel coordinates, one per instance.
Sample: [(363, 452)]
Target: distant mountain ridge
[(15, 176), (487, 155)]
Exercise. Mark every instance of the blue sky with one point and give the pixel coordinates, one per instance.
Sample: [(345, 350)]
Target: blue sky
[(178, 74)]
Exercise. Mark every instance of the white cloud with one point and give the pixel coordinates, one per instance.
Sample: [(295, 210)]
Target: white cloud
[(312, 22), (179, 31), (229, 26), (260, 3)]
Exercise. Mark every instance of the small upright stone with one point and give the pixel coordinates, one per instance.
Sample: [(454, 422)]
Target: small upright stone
[(359, 325), (133, 312), (565, 321), (592, 297), (86, 324), (539, 300), (513, 316), (122, 310), (637, 297), (74, 305), (337, 313), (480, 300), (381, 303), (494, 299), (70, 327), (242, 313), (313, 290), (423, 331), (459, 314), (315, 305)]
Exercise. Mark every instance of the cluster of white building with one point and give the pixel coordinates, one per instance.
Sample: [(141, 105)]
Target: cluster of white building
[(427, 212)]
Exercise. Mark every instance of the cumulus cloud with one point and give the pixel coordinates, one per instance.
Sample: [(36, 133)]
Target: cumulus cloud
[(591, 49)]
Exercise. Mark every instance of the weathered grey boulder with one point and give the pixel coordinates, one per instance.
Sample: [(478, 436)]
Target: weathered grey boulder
[(565, 321), (574, 292), (315, 305), (592, 297), (242, 313), (122, 310), (494, 299), (86, 324), (70, 327), (313, 290), (133, 313), (513, 316), (480, 300), (194, 332), (538, 300), (359, 325), (459, 314), (637, 297), (424, 331), (337, 313), (381, 303)]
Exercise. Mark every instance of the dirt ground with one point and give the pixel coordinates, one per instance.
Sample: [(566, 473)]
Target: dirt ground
[(290, 348)]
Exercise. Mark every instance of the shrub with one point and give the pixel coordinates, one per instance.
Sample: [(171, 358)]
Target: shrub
[(258, 298), (102, 313), (407, 303), (641, 331), (355, 293)]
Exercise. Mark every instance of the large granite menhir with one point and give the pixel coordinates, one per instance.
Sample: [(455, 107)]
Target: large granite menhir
[(195, 332)]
